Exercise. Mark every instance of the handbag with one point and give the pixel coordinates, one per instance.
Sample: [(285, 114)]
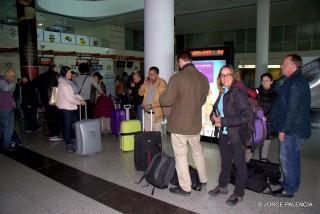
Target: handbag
[(54, 96)]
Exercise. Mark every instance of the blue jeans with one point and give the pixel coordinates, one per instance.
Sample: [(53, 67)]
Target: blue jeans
[(6, 125), (139, 112), (69, 118), (290, 162)]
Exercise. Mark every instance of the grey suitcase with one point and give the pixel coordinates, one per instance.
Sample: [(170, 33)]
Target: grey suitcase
[(88, 135)]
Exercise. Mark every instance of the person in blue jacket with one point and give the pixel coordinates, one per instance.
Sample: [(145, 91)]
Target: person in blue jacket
[(291, 120)]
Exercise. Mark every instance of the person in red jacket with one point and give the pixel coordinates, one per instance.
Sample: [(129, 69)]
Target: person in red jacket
[(103, 106)]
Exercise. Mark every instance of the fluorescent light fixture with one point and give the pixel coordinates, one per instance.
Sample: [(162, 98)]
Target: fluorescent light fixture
[(40, 24), (254, 66)]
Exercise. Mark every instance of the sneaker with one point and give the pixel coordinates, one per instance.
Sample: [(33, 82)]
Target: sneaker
[(70, 148), (55, 138), (218, 190), (234, 199)]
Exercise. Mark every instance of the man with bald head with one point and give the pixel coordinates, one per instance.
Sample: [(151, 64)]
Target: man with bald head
[(7, 104)]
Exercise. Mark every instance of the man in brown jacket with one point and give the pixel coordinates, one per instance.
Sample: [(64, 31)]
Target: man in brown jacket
[(186, 94)]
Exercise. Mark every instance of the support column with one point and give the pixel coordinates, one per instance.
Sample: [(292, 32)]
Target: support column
[(262, 47), (159, 36), (27, 27)]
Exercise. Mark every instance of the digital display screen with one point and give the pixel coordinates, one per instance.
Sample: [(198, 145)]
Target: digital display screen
[(210, 68)]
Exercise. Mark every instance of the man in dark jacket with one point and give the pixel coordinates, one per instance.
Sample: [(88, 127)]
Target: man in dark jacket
[(136, 99), (44, 83), (29, 104), (186, 93), (291, 120)]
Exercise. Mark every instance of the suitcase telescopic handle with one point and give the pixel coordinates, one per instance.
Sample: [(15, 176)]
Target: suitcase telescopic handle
[(85, 112), (127, 108), (143, 119)]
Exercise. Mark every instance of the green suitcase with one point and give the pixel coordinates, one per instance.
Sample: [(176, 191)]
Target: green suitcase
[(128, 129)]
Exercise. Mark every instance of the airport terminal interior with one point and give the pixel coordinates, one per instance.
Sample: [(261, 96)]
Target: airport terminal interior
[(126, 36)]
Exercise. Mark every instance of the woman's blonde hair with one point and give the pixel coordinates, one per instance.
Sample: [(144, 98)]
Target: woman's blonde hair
[(219, 82)]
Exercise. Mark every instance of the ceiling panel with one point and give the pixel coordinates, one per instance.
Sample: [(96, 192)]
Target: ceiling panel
[(192, 16)]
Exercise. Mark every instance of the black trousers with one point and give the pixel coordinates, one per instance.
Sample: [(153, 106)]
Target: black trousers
[(54, 121), (90, 106), (233, 153), (30, 117)]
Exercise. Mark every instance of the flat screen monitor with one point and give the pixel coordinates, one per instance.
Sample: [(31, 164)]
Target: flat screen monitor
[(210, 68)]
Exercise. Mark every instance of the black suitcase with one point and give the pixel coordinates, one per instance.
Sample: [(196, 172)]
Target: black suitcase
[(146, 146), (261, 175)]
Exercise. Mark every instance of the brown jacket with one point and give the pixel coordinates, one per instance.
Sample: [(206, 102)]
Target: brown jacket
[(160, 88), (186, 94)]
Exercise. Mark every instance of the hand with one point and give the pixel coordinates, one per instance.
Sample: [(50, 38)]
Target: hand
[(24, 80), (146, 82), (215, 119), (282, 136), (147, 107), (218, 125), (82, 102)]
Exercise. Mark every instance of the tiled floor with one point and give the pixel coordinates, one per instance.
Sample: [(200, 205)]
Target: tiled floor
[(114, 167)]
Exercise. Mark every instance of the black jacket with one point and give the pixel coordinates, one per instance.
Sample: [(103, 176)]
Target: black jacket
[(44, 84), (135, 97), (290, 113), (237, 111), (266, 99)]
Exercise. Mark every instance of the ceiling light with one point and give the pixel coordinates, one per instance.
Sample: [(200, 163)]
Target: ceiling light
[(40, 24)]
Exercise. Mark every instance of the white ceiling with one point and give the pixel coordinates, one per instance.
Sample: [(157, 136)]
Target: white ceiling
[(192, 16)]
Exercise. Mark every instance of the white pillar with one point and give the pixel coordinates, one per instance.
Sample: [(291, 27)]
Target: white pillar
[(262, 47), (159, 36)]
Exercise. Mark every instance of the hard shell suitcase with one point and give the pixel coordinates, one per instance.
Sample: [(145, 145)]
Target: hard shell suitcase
[(127, 131), (88, 136), (146, 146), (118, 115)]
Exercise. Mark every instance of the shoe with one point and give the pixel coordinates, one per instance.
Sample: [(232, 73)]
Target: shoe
[(7, 148), (179, 191), (55, 138), (70, 148), (282, 194), (233, 200), (37, 130), (218, 190), (278, 191), (196, 187)]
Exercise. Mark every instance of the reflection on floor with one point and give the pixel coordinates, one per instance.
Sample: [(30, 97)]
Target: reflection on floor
[(113, 172)]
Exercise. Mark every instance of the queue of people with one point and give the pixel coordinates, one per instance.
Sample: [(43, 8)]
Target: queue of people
[(286, 114)]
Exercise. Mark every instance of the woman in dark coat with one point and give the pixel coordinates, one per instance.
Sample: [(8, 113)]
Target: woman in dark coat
[(231, 113), (266, 98)]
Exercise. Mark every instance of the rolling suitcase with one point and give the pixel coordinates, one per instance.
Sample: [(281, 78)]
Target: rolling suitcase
[(88, 135), (128, 129), (118, 115), (146, 146)]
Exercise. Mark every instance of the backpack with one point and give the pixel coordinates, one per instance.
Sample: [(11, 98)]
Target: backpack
[(255, 132), (160, 171)]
